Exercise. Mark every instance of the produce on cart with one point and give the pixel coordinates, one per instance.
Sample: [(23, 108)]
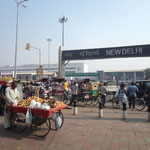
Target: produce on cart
[(46, 115)]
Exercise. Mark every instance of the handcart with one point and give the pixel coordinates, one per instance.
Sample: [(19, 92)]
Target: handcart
[(42, 120)]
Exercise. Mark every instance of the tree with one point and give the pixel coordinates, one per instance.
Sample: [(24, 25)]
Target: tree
[(147, 73)]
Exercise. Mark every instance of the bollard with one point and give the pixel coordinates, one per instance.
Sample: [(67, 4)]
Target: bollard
[(75, 110), (124, 112), (148, 112), (100, 109)]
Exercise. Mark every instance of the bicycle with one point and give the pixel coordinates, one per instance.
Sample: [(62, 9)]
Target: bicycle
[(65, 98), (143, 101)]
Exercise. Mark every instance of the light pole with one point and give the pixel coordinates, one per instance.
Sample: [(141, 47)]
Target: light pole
[(63, 20), (28, 46), (18, 4), (49, 40)]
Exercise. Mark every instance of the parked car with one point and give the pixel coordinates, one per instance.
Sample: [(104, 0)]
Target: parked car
[(112, 86), (142, 85)]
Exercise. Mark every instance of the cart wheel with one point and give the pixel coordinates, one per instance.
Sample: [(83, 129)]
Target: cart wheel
[(53, 127), (17, 121), (40, 126)]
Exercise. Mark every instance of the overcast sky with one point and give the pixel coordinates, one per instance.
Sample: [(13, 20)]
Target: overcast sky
[(91, 24)]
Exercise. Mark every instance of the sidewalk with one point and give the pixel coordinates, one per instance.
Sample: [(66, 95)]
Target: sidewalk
[(86, 132)]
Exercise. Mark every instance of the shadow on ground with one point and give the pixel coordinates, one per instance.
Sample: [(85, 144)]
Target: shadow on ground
[(19, 136)]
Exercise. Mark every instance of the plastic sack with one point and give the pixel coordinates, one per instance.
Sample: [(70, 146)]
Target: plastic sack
[(32, 104), (15, 102), (58, 122), (28, 119), (45, 106), (54, 116), (38, 105)]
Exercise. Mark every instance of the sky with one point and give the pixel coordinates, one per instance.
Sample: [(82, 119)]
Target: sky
[(90, 24)]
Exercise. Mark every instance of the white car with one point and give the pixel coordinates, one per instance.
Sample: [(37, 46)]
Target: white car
[(112, 87)]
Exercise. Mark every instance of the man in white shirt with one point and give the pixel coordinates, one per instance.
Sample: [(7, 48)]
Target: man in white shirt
[(12, 98)]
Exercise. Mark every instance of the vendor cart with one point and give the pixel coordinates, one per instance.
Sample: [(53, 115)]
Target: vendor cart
[(42, 120)]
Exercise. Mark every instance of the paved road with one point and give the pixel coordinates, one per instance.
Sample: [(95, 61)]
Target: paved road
[(86, 132)]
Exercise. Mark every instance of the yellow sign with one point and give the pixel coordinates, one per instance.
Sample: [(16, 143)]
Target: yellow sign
[(27, 46), (39, 71)]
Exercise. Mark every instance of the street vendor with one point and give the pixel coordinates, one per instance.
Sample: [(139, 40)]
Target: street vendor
[(12, 97)]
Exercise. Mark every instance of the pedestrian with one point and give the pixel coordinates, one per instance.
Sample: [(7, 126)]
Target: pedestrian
[(37, 91), (27, 90), (65, 85), (132, 93), (20, 89), (12, 98), (74, 92), (103, 89), (2, 95), (122, 95)]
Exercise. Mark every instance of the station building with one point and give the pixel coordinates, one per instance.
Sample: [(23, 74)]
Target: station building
[(73, 71)]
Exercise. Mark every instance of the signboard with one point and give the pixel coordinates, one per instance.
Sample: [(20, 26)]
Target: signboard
[(81, 74), (104, 53), (39, 71)]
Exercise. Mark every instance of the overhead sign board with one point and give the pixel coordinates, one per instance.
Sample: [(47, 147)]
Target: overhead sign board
[(104, 53)]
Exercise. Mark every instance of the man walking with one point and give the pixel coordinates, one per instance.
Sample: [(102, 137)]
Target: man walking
[(74, 92), (132, 92), (103, 89)]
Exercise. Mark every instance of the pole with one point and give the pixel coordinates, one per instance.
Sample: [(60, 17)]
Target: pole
[(49, 56), (124, 112), (39, 54), (39, 58), (63, 34), (15, 68), (49, 40), (100, 114)]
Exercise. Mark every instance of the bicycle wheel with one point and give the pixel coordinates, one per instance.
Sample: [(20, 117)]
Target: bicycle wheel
[(88, 101), (115, 103), (40, 126), (140, 104), (81, 102), (53, 122), (96, 100), (17, 121)]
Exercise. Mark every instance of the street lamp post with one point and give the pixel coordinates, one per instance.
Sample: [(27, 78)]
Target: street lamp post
[(18, 4), (62, 63), (63, 20), (49, 40)]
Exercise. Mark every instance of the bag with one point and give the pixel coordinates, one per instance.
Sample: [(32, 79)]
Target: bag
[(28, 117), (58, 122), (122, 95)]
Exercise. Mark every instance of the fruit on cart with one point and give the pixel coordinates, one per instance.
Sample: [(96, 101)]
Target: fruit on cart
[(57, 104), (26, 102)]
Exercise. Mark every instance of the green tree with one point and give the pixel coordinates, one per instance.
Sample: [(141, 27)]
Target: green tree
[(147, 73)]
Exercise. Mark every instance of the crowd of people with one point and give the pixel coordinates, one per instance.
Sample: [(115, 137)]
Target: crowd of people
[(16, 92)]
